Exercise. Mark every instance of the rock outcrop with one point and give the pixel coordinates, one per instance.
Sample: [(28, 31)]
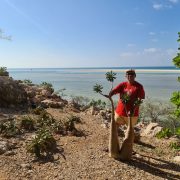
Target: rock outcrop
[(11, 92)]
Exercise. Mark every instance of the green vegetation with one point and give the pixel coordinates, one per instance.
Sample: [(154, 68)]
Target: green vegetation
[(27, 123), (47, 86), (3, 71), (9, 129), (98, 104), (43, 144), (175, 99), (27, 81), (164, 133)]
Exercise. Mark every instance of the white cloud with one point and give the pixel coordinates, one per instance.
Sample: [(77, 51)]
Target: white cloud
[(165, 4), (152, 33), (150, 50), (148, 57), (157, 6), (174, 1)]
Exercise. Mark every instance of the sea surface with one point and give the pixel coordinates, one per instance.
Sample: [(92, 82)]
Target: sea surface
[(158, 82)]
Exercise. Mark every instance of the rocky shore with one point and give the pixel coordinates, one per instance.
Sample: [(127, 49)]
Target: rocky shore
[(82, 156)]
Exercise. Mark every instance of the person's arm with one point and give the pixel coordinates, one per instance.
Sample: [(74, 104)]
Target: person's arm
[(141, 93), (116, 90)]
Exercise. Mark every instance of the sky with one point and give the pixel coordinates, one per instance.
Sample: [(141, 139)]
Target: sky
[(88, 33)]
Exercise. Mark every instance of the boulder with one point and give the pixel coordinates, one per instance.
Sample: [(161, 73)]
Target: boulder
[(151, 130), (53, 104), (11, 92)]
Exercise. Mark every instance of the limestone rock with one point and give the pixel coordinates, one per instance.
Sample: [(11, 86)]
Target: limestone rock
[(151, 130), (11, 92)]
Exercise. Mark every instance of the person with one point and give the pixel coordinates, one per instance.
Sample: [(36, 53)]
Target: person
[(135, 91)]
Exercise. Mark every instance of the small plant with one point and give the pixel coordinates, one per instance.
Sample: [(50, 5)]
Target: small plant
[(38, 111), (60, 92), (43, 144), (47, 86), (45, 119), (175, 145), (27, 123), (9, 129), (3, 71), (164, 133), (58, 128), (27, 81), (69, 125), (99, 103)]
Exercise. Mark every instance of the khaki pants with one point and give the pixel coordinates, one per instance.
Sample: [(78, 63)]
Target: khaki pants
[(121, 120)]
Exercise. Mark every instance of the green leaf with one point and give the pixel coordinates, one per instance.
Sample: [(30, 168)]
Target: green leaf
[(98, 88), (111, 76)]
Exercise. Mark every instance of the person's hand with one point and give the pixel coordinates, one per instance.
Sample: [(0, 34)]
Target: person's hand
[(107, 96)]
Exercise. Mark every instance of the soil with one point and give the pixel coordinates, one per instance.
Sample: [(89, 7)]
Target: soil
[(86, 157)]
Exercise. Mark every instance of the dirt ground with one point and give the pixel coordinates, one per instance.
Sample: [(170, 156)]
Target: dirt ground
[(86, 157)]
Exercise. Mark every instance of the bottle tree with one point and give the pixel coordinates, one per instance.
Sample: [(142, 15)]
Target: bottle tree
[(125, 151), (175, 99), (113, 140)]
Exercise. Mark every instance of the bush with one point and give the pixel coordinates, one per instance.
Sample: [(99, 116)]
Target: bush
[(27, 81), (99, 103), (9, 129), (175, 145), (3, 71), (43, 144), (27, 123), (164, 133)]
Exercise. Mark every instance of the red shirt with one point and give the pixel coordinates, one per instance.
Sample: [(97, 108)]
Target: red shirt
[(135, 91)]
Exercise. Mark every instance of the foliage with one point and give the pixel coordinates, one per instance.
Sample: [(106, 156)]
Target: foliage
[(3, 71), (69, 124), (38, 110), (99, 103), (175, 146), (45, 119), (177, 131), (47, 86), (27, 81), (155, 111), (27, 123), (43, 143), (9, 129), (164, 133), (111, 76), (60, 92), (175, 99), (79, 100), (98, 88)]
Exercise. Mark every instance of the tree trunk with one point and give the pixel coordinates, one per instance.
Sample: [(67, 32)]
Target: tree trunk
[(127, 145), (113, 140)]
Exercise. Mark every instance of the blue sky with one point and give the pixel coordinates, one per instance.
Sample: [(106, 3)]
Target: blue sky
[(88, 33)]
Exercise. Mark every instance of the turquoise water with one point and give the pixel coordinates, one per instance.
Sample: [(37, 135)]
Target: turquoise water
[(80, 81)]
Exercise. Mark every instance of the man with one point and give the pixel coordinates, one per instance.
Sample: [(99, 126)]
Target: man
[(134, 91)]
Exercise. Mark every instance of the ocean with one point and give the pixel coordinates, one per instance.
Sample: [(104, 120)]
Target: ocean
[(158, 82)]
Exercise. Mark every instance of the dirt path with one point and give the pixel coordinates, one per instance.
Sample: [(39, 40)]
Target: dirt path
[(86, 158)]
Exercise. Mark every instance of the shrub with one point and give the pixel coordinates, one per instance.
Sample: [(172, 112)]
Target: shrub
[(175, 145), (99, 103), (45, 119), (9, 129), (164, 133), (27, 81), (47, 86), (3, 71), (43, 144), (27, 123)]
